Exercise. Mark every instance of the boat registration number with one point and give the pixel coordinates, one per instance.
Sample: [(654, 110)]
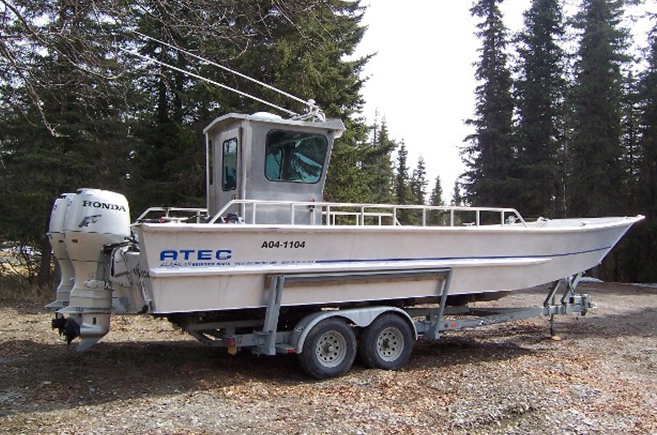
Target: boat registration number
[(284, 244)]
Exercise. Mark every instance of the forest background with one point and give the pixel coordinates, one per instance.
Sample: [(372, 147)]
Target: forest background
[(564, 125)]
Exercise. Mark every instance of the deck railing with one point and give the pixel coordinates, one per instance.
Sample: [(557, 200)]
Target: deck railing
[(174, 214), (333, 213)]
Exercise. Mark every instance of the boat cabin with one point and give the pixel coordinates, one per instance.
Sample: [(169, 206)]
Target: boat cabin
[(266, 157)]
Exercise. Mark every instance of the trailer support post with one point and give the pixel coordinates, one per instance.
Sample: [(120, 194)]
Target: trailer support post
[(433, 332), (271, 315), (550, 301)]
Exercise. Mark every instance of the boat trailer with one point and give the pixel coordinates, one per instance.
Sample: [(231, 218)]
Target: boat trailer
[(326, 342)]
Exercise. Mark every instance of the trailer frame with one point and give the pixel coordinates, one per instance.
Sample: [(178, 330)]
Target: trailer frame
[(428, 322)]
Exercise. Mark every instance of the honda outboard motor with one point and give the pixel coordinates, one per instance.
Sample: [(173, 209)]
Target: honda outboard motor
[(95, 219), (56, 238)]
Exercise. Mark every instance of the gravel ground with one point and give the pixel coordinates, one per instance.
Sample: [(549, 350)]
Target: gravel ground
[(147, 378)]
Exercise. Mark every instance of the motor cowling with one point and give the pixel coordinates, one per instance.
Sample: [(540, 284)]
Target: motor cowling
[(56, 237), (94, 220)]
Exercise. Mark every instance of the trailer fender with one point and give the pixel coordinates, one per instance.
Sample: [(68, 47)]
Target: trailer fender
[(361, 317)]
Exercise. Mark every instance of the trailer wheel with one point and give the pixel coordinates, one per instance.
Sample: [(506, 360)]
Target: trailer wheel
[(386, 343), (329, 349)]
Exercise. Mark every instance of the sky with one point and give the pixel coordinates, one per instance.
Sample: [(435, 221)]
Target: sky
[(422, 77)]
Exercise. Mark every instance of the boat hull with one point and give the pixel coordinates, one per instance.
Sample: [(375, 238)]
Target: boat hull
[(201, 267)]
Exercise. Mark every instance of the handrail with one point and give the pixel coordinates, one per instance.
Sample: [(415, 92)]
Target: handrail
[(378, 213), (170, 214)]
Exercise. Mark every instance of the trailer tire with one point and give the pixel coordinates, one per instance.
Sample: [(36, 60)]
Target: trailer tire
[(329, 350), (386, 344)]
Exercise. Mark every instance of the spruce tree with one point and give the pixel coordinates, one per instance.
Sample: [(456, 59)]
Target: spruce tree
[(167, 160), (456, 201), (540, 94), (377, 164), (597, 178), (402, 179), (418, 183), (630, 140), (62, 125), (402, 186), (644, 236), (648, 120), (489, 155), (457, 195), (436, 199)]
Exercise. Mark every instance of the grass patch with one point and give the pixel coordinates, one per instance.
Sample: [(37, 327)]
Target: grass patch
[(17, 287)]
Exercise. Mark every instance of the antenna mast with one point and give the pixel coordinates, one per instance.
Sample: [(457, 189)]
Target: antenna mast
[(312, 110)]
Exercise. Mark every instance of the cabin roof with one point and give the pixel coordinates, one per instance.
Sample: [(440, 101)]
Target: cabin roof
[(334, 125)]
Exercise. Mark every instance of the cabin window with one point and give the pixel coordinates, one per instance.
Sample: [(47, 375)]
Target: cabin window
[(229, 167), (295, 156)]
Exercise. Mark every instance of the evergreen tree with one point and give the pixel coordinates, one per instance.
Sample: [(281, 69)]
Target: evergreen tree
[(456, 201), (623, 262), (644, 236), (418, 183), (62, 124), (489, 155), (402, 179), (402, 185), (457, 196), (78, 36), (377, 164), (346, 181), (436, 197), (540, 95), (167, 161), (630, 107), (597, 177)]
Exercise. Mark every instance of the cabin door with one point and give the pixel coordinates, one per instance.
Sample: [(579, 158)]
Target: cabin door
[(227, 170)]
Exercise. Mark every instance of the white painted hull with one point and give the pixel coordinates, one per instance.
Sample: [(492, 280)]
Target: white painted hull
[(201, 267)]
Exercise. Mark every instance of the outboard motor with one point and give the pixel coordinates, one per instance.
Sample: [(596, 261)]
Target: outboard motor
[(56, 238), (94, 220)]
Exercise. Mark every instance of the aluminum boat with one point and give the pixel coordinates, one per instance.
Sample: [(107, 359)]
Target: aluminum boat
[(265, 218)]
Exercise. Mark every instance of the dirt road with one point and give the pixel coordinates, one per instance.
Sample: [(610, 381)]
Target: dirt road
[(145, 377)]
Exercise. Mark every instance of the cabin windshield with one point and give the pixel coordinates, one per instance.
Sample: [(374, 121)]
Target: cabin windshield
[(294, 156)]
